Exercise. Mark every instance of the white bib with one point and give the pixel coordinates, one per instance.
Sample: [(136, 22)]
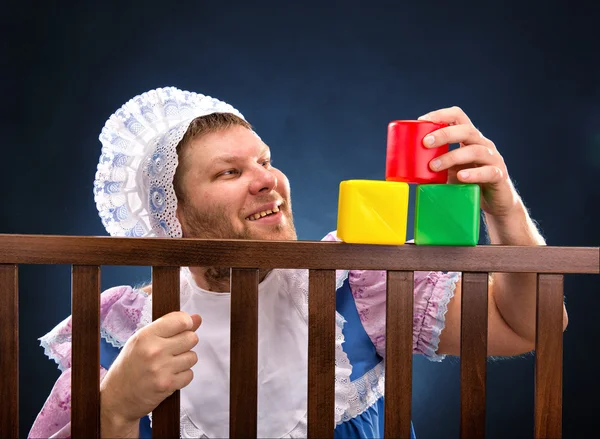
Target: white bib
[(282, 359)]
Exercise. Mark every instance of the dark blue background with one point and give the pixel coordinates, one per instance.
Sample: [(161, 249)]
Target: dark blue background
[(319, 82)]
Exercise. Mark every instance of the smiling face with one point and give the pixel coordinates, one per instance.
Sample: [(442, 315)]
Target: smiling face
[(228, 188)]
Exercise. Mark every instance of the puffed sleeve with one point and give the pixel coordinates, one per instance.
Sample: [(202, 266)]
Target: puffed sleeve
[(432, 293), (120, 313)]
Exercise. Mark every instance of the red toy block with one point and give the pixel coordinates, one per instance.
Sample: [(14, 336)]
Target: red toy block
[(407, 159)]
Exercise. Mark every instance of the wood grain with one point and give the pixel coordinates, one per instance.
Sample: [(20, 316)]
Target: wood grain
[(243, 392), (322, 258), (473, 354), (321, 353), (549, 357), (165, 299), (9, 351), (32, 249), (398, 354), (85, 366)]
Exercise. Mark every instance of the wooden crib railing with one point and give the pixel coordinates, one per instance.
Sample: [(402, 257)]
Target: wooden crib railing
[(165, 256)]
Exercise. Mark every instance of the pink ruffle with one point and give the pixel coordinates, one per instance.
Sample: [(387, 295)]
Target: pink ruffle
[(433, 291), (120, 312), (54, 420)]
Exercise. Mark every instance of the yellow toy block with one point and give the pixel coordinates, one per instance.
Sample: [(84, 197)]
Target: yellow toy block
[(372, 212)]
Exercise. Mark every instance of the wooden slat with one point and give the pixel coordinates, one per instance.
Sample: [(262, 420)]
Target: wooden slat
[(473, 354), (20, 249), (549, 357), (9, 352), (243, 399), (85, 368), (321, 353), (165, 299), (398, 354)]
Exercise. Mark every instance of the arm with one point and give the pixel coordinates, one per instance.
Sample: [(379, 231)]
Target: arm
[(117, 305), (112, 424), (54, 420), (515, 293), (512, 296), (128, 391)]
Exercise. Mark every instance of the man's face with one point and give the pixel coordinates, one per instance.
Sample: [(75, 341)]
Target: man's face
[(230, 187)]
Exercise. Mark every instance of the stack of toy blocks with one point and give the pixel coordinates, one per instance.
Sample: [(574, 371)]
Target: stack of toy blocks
[(376, 212)]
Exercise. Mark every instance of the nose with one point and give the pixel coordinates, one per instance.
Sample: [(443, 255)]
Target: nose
[(263, 180)]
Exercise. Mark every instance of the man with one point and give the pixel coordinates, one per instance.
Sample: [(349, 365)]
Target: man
[(179, 164)]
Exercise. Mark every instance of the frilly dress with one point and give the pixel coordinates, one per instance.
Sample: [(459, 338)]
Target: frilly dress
[(282, 352)]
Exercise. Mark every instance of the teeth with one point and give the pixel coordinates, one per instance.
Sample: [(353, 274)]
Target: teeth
[(262, 214)]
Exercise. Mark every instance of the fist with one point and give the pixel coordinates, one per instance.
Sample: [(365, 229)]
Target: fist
[(155, 362)]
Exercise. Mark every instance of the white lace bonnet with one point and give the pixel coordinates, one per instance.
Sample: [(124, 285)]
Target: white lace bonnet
[(133, 188)]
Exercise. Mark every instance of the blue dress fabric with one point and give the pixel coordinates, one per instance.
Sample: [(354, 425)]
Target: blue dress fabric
[(363, 358)]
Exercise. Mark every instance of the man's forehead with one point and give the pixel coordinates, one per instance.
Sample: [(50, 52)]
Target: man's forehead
[(240, 153), (235, 141)]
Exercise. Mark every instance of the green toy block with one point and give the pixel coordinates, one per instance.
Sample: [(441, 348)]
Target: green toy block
[(447, 214)]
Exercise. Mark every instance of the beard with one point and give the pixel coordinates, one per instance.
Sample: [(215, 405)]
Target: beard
[(215, 223)]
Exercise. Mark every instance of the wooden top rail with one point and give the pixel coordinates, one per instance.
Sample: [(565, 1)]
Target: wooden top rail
[(85, 250)]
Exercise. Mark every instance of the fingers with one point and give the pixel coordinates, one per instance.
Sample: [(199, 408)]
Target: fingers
[(181, 343), (184, 361), (182, 379), (477, 161), (173, 323), (466, 134), (168, 384), (197, 321), (451, 116), (484, 174), (472, 154)]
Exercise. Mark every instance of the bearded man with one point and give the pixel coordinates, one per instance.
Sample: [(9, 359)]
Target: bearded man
[(180, 164)]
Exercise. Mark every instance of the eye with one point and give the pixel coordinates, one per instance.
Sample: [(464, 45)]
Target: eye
[(266, 163), (227, 173)]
